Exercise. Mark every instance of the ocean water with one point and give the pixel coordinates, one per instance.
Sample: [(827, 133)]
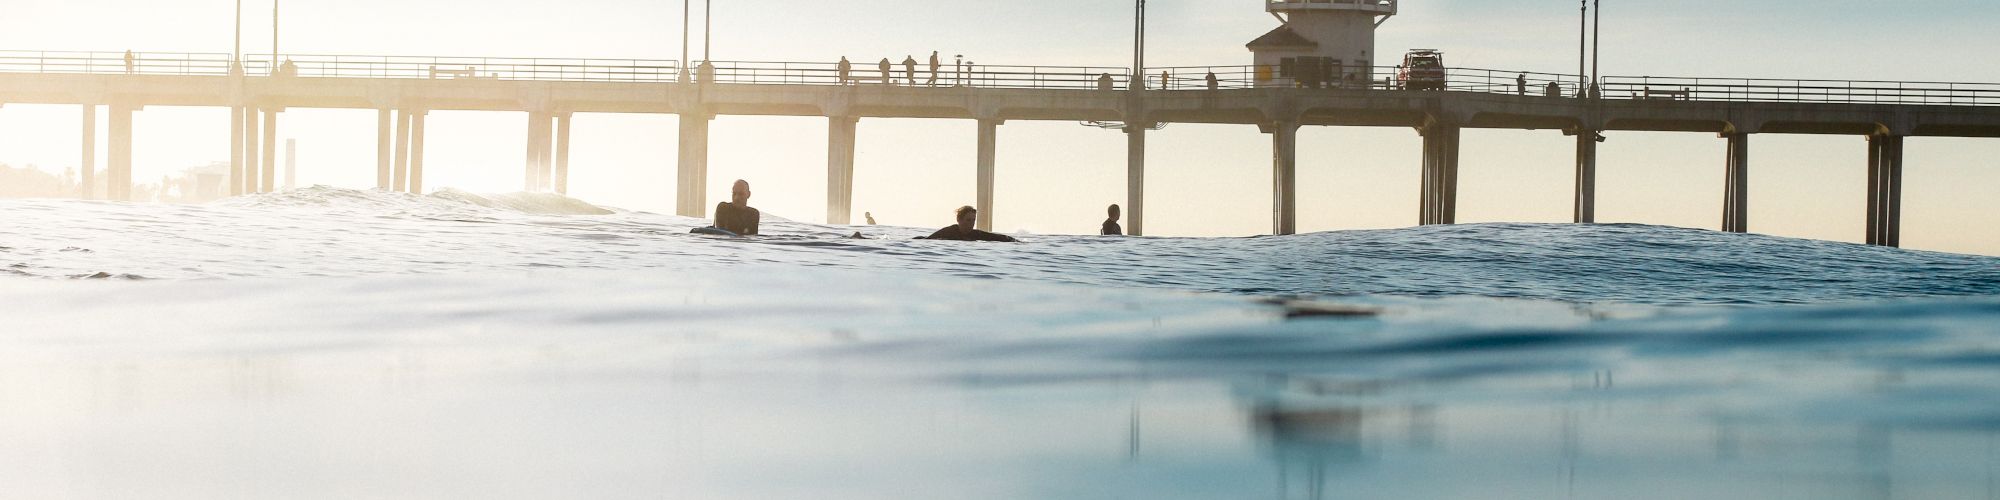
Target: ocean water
[(330, 343)]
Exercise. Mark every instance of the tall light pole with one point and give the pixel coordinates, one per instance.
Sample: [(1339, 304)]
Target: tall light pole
[(707, 23), (1138, 80), (686, 14), (237, 54), (1582, 49), (274, 37), (1596, 42)]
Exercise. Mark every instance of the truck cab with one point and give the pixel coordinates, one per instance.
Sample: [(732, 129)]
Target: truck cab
[(1422, 69)]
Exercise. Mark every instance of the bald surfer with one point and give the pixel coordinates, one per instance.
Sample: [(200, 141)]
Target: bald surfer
[(963, 231), (735, 215)]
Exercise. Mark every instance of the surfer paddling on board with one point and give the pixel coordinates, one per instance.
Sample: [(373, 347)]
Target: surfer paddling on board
[(963, 231), (735, 215)]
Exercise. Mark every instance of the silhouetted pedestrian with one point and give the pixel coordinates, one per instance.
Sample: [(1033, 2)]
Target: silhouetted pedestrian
[(1554, 89), (1104, 81), (1521, 84), (910, 70), (934, 68), (1213, 83), (886, 79), (130, 62), (846, 69), (1166, 81)]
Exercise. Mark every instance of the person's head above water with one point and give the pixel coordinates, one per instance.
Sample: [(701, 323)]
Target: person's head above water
[(740, 193), (1113, 211), (967, 217)]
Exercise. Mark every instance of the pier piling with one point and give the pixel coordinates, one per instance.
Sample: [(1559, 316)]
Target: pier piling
[(1736, 185), (989, 131), (1885, 190), (87, 191), (692, 184), (840, 132), (1135, 180)]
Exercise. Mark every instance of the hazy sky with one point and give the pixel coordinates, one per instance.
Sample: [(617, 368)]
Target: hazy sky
[(1056, 177)]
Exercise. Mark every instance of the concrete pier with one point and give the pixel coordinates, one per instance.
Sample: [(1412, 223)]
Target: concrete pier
[(118, 174), (87, 191), (268, 178), (1885, 190), (840, 132), (1736, 184), (382, 149), (417, 151), (1440, 184), (250, 149), (1135, 180), (1284, 177), (400, 180), (542, 133), (989, 138), (692, 185), (1586, 177), (236, 151), (562, 153)]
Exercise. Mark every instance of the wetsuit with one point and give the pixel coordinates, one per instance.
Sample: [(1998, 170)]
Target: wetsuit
[(956, 233), (737, 219), (1111, 228)]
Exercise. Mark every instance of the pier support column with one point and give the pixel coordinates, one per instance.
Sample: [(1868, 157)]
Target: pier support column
[(1885, 190), (543, 135), (692, 185), (1586, 176), (1440, 187), (417, 151), (251, 145), (531, 179), (89, 187), (400, 180), (118, 173), (235, 151), (840, 169), (1284, 178), (562, 153), (1135, 179), (382, 149), (989, 138), (1736, 184), (269, 177)]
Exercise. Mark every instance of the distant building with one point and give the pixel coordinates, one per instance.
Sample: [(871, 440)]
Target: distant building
[(1321, 42)]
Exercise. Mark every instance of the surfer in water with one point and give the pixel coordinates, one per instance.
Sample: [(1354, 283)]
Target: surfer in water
[(963, 231), (1111, 227), (735, 215)]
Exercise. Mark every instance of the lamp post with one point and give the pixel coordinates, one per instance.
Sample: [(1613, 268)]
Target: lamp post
[(236, 56), (1582, 48), (274, 37), (1596, 42), (1138, 78), (686, 14)]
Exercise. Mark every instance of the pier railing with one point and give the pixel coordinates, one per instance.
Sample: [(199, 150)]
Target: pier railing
[(1820, 91), (919, 75), (955, 74)]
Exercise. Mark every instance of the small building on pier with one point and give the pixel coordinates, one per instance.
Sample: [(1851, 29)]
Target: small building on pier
[(1320, 42)]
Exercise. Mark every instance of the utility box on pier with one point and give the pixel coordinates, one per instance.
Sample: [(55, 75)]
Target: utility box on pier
[(1320, 43)]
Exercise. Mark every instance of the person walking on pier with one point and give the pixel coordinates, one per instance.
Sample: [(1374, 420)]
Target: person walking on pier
[(886, 79), (935, 63), (1111, 227), (846, 69), (1521, 84), (1166, 81), (1213, 84), (735, 215), (130, 62), (910, 70), (964, 231)]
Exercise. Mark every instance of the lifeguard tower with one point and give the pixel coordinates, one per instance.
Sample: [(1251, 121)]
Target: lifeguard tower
[(1321, 43)]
